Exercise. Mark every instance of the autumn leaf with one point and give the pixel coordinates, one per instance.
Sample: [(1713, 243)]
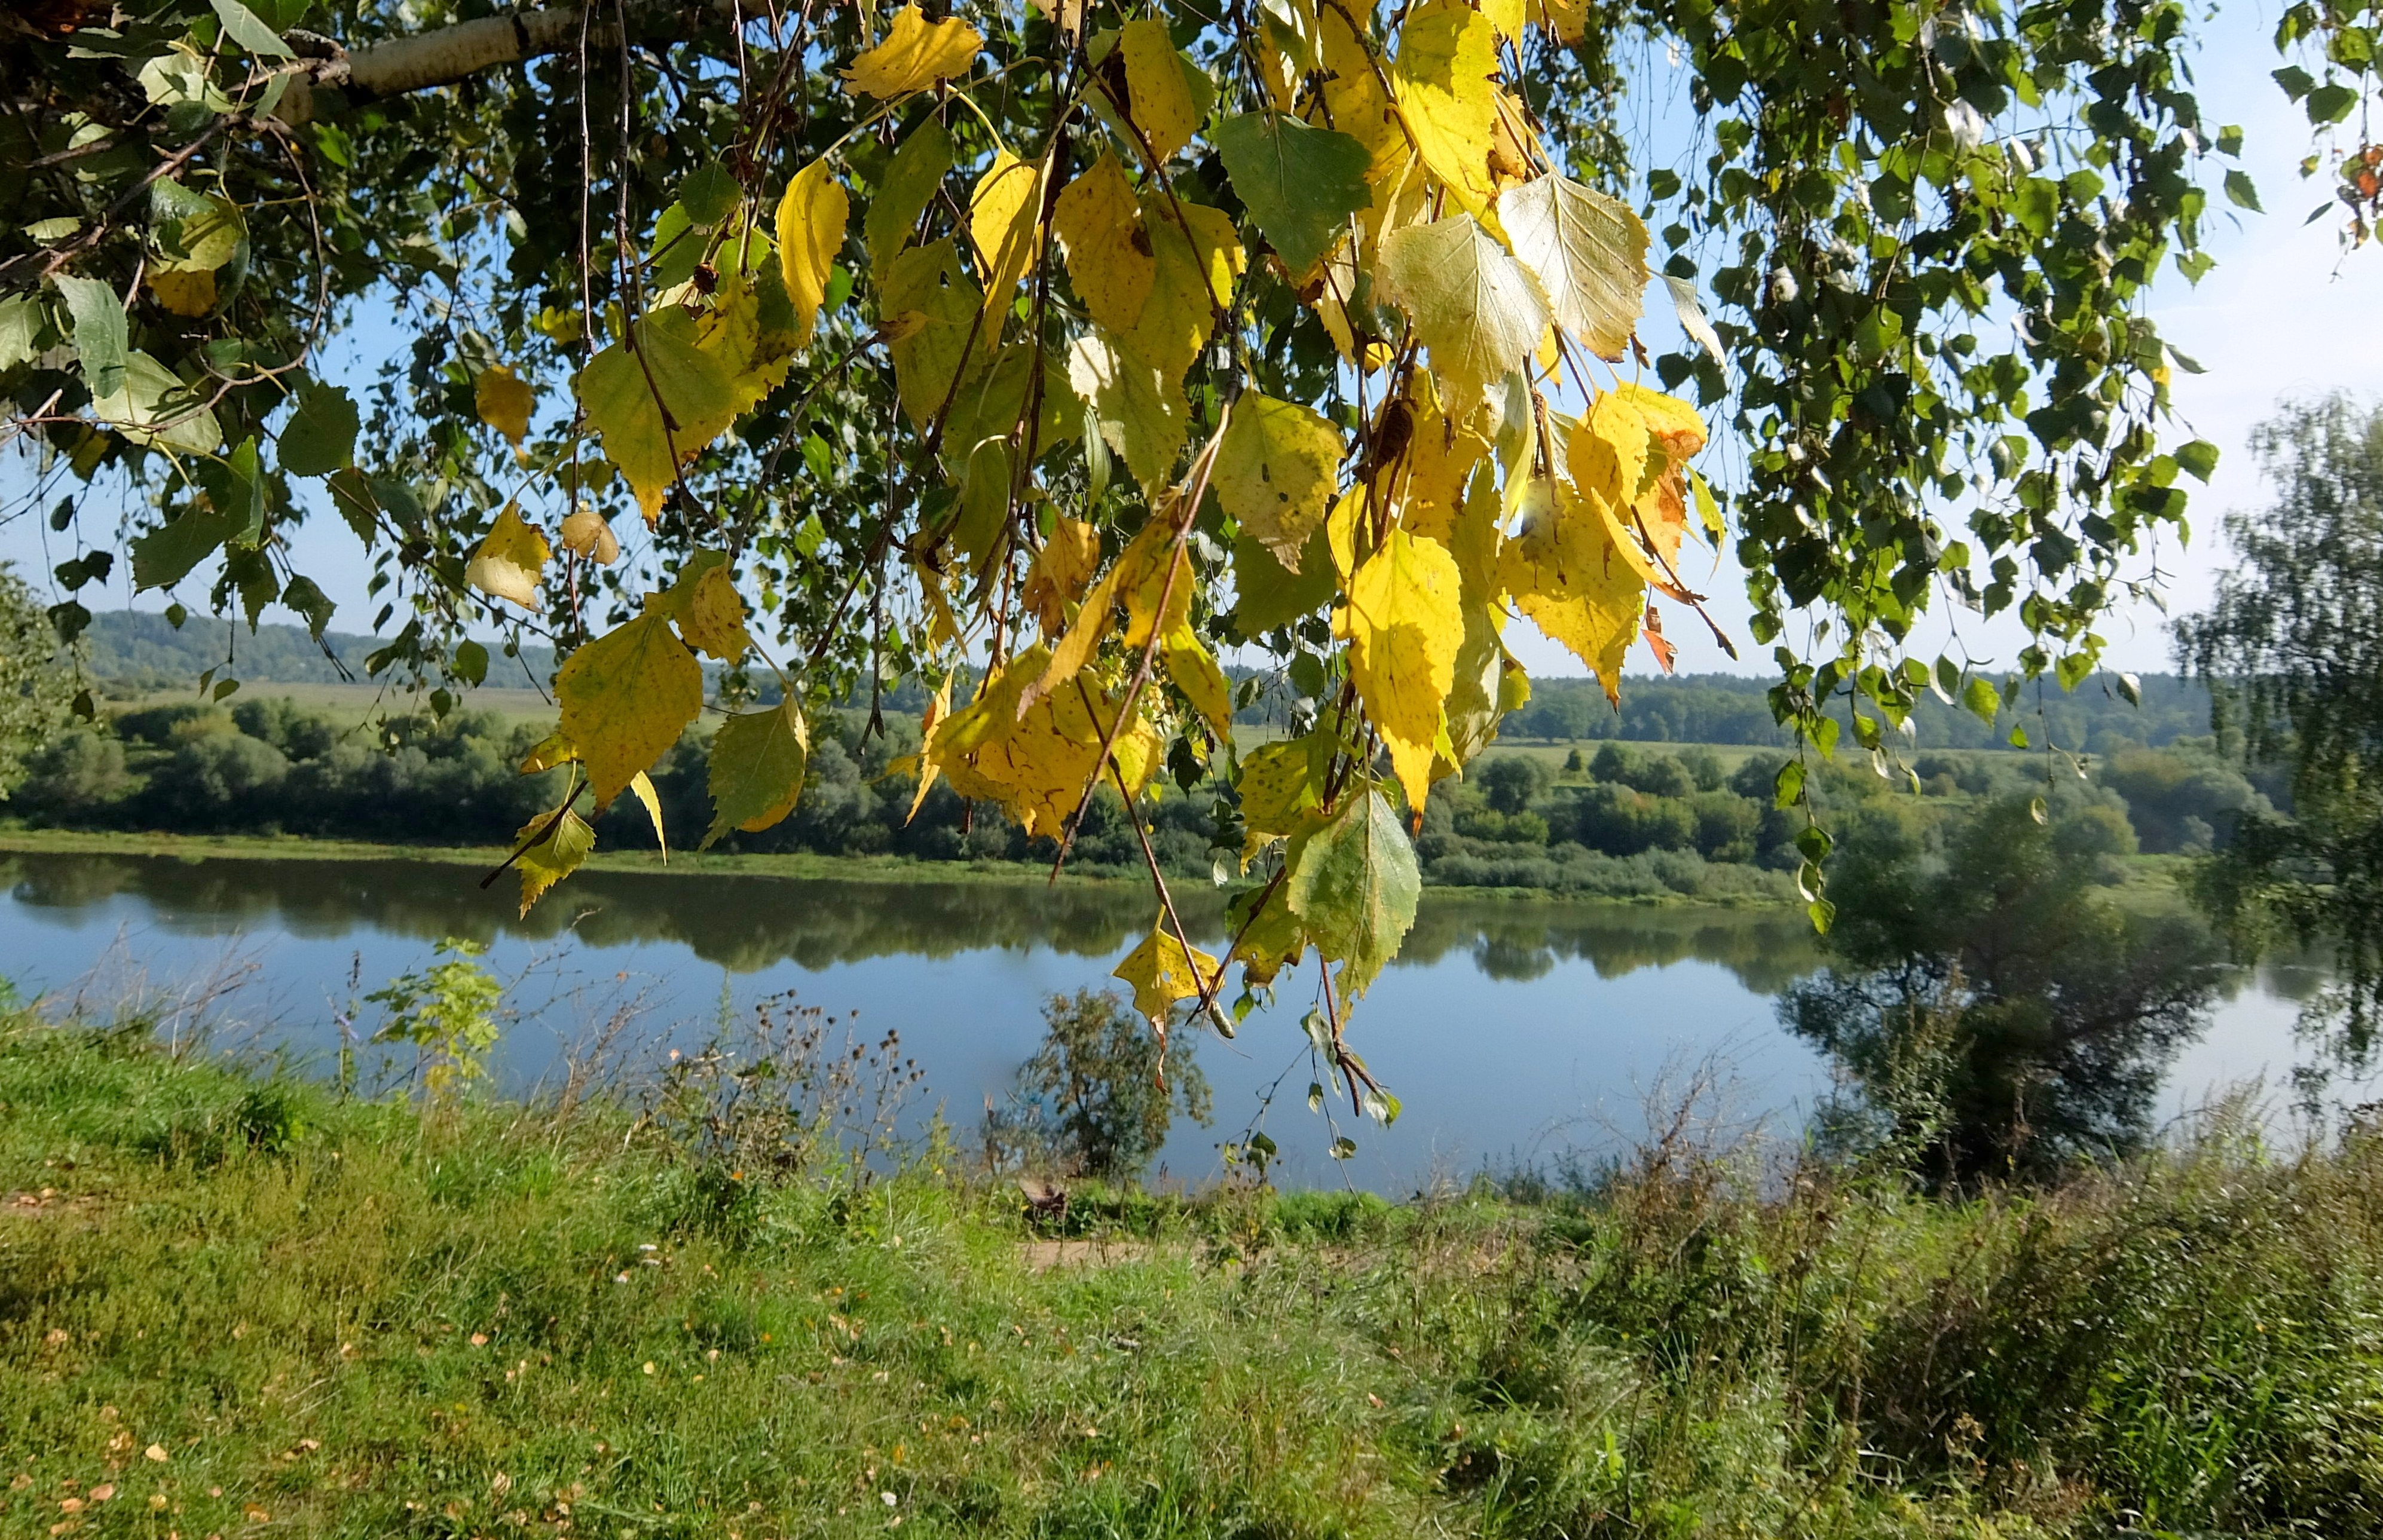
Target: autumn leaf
[(811, 216), (1162, 972), (1005, 215), (559, 845), (1565, 574), (1447, 52), (1301, 184), (909, 184), (1069, 556), (510, 560), (1353, 101), (641, 786), (1194, 263), (1161, 102), (915, 54), (758, 762), (1267, 936), (1404, 626), (626, 698), (1281, 788), (710, 612), (657, 401), (1037, 763), (1589, 253), (1099, 225), (1196, 674), (503, 399), (1276, 472), (586, 533), (1472, 303), (1354, 885)]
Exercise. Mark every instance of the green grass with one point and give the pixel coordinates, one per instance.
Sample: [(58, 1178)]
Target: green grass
[(367, 701), (340, 1319)]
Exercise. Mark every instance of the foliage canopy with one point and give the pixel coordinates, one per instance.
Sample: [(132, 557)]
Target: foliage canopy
[(1084, 342)]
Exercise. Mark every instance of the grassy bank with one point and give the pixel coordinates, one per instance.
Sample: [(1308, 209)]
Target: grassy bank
[(232, 1305)]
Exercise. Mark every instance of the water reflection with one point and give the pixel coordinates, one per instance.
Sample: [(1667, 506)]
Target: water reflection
[(748, 924)]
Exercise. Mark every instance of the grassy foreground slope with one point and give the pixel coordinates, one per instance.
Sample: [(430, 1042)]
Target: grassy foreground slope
[(232, 1305)]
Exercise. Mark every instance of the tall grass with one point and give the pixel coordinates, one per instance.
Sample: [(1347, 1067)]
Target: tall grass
[(341, 1318)]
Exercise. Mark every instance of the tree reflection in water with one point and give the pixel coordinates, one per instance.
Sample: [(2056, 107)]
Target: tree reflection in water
[(749, 923)]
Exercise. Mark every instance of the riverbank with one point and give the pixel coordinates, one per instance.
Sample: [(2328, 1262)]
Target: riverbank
[(239, 1305), (798, 866)]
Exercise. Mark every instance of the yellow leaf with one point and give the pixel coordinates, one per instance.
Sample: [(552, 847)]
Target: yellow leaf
[(584, 532), (1353, 101), (626, 698), (1194, 264), (712, 616), (561, 848), (1037, 763), (1678, 428), (1506, 16), (1141, 412), (1566, 574), (658, 404), (756, 775), (1267, 937), (1348, 531), (1440, 455), (1005, 222), (1607, 453), (1282, 790), (642, 786), (1404, 626), (1162, 972), (1276, 472), (1139, 577), (1193, 668), (1108, 251), (1160, 98), (939, 706), (915, 54), (504, 400), (1447, 52), (1065, 563), (811, 218), (1568, 20), (1473, 305), (510, 561), (928, 282)]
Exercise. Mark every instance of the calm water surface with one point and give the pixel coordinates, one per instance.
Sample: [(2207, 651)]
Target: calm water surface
[(1509, 1029)]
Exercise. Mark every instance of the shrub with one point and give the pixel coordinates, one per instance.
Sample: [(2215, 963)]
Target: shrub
[(1099, 1096)]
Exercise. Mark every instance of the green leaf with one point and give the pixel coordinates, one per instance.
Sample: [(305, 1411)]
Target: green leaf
[(320, 437), (1300, 184), (758, 762), (917, 168), (1983, 700), (2242, 194), (155, 407), (100, 335), (1589, 253), (2329, 104), (560, 849), (21, 325), (471, 663), (709, 193), (1271, 595), (165, 555), (249, 29), (659, 404), (1354, 885), (2198, 459)]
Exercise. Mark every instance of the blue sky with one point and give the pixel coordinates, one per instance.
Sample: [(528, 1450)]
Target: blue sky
[(2285, 312)]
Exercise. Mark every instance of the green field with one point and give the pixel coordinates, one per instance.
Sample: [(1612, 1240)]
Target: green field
[(237, 1305), (365, 701)]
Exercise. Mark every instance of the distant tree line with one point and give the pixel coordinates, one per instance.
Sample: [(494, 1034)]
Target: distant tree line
[(1615, 821)]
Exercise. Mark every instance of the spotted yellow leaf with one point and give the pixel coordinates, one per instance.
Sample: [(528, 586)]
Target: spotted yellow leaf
[(1162, 971), (626, 698), (1099, 228), (1276, 472), (1160, 101), (1069, 558)]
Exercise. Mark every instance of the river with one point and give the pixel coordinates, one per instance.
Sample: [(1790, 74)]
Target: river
[(1513, 1031)]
